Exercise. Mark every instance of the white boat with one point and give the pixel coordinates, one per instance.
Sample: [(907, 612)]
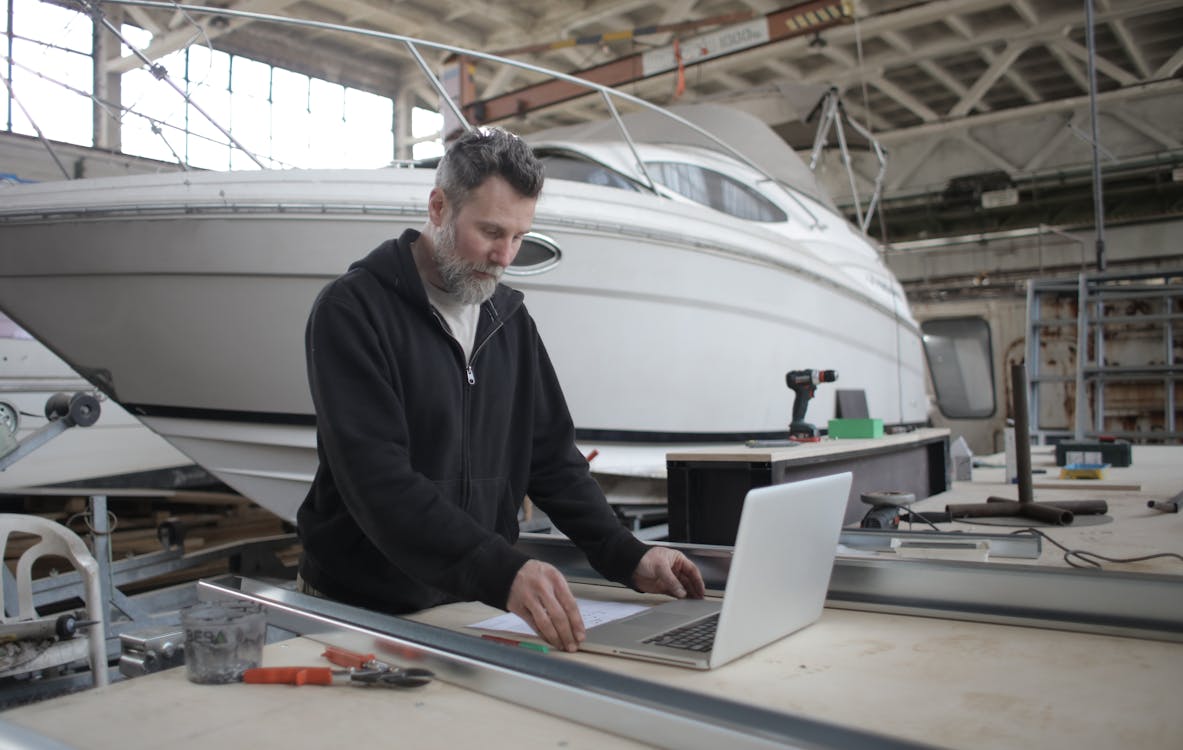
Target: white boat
[(117, 450), (184, 296)]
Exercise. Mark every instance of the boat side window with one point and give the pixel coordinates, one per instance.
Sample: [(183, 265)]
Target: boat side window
[(958, 351), (716, 190), (538, 253), (563, 167)]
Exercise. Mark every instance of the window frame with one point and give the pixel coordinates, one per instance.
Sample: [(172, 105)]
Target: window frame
[(941, 382)]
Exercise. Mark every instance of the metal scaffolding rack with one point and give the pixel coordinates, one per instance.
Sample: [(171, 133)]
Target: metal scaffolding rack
[(1163, 294)]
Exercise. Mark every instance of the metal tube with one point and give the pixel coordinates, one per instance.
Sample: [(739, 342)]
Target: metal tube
[(1018, 375), (437, 85), (1098, 202), (1082, 341), (629, 140)]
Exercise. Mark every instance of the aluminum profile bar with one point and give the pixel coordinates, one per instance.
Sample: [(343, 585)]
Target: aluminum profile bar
[(1134, 605), (1001, 545), (661, 715)]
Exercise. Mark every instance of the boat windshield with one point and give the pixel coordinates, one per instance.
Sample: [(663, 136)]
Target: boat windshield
[(571, 167), (716, 190)]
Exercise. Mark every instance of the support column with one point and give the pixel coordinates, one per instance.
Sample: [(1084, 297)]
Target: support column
[(107, 85), (403, 138)]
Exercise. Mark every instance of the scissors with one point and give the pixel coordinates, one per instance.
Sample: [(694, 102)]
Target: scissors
[(392, 678), (360, 669)]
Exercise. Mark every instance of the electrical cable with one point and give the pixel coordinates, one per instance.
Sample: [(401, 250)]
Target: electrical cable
[(86, 517), (914, 514), (1085, 555)]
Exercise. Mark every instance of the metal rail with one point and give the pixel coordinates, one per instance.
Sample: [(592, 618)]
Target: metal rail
[(1135, 605), (661, 715), (413, 44)]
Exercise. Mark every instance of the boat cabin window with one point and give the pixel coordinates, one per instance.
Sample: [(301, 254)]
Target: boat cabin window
[(538, 253), (716, 190), (959, 361), (564, 167)]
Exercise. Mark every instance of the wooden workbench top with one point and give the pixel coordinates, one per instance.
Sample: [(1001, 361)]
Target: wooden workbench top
[(165, 710), (808, 451), (1131, 529), (947, 683)]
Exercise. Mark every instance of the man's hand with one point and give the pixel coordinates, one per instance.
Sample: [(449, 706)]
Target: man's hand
[(540, 596), (664, 570)]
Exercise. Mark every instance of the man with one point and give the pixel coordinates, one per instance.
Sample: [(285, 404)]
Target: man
[(438, 411)]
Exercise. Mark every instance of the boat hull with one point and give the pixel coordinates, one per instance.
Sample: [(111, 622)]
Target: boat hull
[(116, 450), (665, 324)]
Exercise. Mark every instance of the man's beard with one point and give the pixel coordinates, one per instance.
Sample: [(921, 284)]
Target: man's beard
[(459, 275)]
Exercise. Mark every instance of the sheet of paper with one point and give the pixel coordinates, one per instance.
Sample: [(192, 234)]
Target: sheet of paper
[(593, 613)]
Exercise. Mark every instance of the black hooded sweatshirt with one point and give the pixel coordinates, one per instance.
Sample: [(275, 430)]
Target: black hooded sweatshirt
[(425, 459)]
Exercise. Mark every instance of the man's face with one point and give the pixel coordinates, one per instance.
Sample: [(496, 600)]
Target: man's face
[(473, 246)]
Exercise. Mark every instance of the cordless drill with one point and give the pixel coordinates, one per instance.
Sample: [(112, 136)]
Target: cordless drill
[(804, 384)]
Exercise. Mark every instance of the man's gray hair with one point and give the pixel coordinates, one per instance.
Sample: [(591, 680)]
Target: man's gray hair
[(483, 153)]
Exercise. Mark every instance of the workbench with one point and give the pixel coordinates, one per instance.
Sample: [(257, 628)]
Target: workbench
[(928, 680), (706, 486)]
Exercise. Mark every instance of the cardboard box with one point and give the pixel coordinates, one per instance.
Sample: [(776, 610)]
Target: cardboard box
[(856, 428)]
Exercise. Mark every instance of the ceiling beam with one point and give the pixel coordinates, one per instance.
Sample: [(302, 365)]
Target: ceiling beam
[(1080, 52), (1071, 67), (401, 18), (902, 172), (1026, 11), (180, 38), (942, 76), (1048, 30), (631, 69), (1013, 76), (866, 118), (1138, 124), (1168, 88), (506, 15), (1171, 66), (987, 154), (903, 98), (988, 79), (1131, 47), (143, 19), (1053, 143)]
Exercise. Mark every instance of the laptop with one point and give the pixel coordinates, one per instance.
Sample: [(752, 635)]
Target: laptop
[(776, 585)]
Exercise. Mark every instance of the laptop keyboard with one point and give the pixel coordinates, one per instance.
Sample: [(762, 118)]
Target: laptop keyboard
[(696, 636)]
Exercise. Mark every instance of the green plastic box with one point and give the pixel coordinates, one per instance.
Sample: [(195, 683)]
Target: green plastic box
[(856, 428)]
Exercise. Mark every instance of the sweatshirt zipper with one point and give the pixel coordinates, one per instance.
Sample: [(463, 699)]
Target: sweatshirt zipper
[(466, 406), (466, 441)]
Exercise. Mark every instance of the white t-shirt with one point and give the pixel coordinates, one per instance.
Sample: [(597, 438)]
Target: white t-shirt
[(460, 318)]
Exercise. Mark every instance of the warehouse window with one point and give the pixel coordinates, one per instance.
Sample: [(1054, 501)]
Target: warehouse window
[(716, 190), (49, 67), (268, 111), (282, 118), (960, 363)]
